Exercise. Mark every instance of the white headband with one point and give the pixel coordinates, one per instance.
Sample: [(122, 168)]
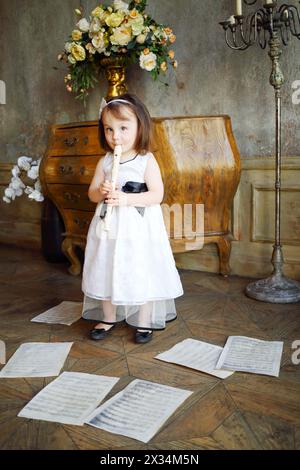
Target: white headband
[(104, 103)]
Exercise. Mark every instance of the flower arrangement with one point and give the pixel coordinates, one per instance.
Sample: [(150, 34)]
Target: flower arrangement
[(122, 30), (25, 167)]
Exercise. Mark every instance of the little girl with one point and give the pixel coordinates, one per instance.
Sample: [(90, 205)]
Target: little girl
[(129, 272)]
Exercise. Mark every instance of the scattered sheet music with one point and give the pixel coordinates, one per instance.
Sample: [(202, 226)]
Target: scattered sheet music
[(139, 410), (251, 355), (69, 399), (37, 360), (65, 313), (196, 355)]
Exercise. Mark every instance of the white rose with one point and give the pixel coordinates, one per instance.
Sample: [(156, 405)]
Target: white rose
[(68, 47), (95, 25), (24, 163), (141, 38), (83, 25), (119, 5), (98, 42), (6, 199), (148, 62), (71, 59)]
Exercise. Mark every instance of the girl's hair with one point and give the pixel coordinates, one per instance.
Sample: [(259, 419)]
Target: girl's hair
[(144, 132)]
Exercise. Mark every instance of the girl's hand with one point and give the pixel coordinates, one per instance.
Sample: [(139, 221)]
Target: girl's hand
[(117, 198), (105, 188)]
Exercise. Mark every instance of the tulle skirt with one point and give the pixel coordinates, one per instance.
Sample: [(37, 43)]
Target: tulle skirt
[(132, 268)]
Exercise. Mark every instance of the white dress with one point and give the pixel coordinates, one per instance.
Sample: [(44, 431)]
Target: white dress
[(132, 265)]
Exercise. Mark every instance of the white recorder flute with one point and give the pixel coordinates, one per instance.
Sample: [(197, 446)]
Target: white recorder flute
[(114, 177)]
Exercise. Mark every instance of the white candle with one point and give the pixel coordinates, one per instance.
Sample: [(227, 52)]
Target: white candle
[(231, 19), (239, 7)]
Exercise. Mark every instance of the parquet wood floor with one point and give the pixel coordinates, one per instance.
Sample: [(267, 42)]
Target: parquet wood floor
[(245, 411)]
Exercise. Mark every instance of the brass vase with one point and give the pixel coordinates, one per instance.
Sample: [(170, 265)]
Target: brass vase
[(115, 73)]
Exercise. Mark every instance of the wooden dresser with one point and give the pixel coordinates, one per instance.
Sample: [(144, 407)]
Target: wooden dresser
[(199, 161)]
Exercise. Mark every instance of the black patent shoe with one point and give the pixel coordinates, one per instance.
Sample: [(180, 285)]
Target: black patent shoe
[(143, 336), (100, 333)]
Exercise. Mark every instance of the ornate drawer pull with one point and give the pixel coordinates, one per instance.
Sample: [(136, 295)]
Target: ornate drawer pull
[(72, 197), (71, 142), (65, 170), (81, 223)]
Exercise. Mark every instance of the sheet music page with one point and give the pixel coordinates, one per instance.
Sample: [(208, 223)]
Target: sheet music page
[(37, 360), (251, 355), (195, 355), (69, 399), (139, 410), (65, 313)]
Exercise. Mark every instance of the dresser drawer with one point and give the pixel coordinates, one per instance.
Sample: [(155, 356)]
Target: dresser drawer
[(78, 170), (77, 222), (71, 196), (76, 141)]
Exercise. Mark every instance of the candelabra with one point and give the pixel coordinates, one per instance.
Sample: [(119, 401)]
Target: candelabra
[(273, 25)]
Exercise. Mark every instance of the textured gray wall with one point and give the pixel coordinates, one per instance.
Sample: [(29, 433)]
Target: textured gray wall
[(211, 79)]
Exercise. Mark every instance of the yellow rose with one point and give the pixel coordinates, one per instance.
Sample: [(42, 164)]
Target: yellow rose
[(78, 53), (121, 37), (163, 66), (172, 38), (175, 64), (146, 51), (98, 12), (76, 35), (171, 54), (137, 25), (115, 19), (134, 13)]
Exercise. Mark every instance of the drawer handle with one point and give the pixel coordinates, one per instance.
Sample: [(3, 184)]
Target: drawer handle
[(71, 142), (82, 170), (73, 197), (86, 140), (81, 223), (65, 170)]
